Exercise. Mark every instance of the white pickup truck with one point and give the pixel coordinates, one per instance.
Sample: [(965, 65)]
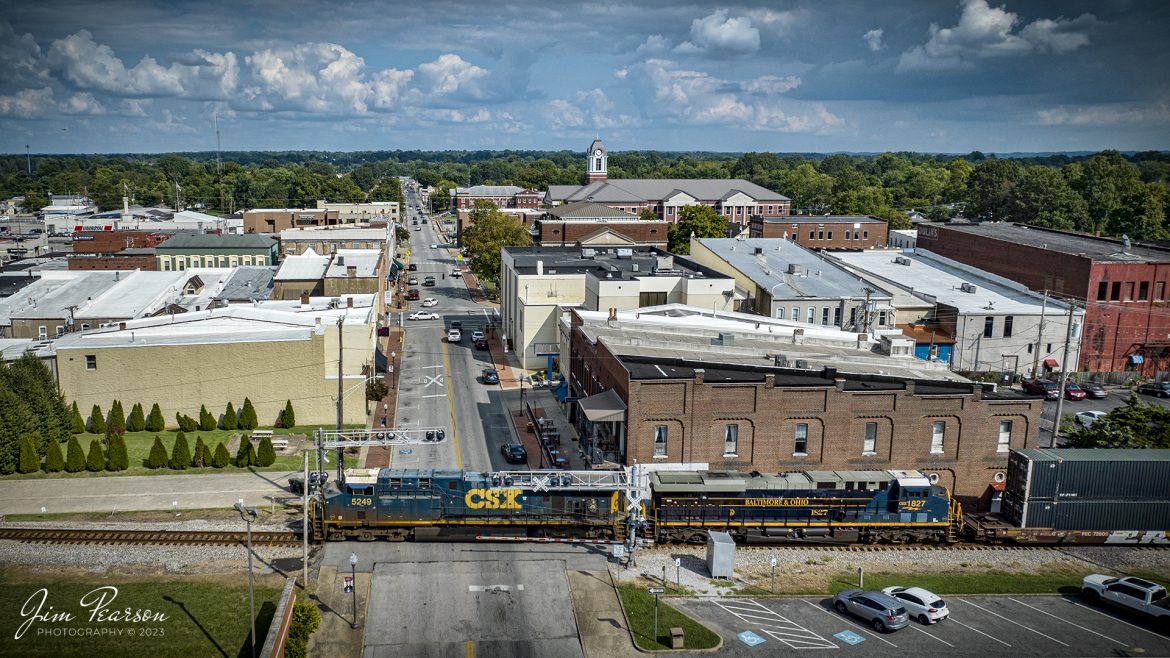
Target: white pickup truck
[(1129, 592)]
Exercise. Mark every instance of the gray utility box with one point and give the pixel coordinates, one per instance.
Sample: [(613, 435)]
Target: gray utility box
[(720, 554)]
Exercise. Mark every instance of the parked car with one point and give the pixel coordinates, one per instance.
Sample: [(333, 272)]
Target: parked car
[(490, 376), (296, 484), (1094, 390), (1129, 592), (477, 335), (430, 301), (881, 611), (412, 294), (481, 344), (454, 336), (412, 267), (456, 274), (920, 604), (412, 281), (1087, 418), (514, 453), (1158, 389), (1042, 387), (1073, 392)]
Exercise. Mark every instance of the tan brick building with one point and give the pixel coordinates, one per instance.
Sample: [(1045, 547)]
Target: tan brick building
[(275, 220), (823, 231)]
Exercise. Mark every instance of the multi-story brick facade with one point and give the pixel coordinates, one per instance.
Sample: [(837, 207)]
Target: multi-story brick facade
[(1126, 287), (275, 220), (503, 196), (823, 232)]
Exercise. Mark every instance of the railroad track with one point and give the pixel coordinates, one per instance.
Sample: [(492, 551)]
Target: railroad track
[(880, 548), (157, 537)]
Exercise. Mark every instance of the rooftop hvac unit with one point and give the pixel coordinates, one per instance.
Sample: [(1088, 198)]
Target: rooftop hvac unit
[(726, 338), (801, 363), (625, 253), (588, 253), (793, 268), (902, 260), (967, 287), (780, 360)]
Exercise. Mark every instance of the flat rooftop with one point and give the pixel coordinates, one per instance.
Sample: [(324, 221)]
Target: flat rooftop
[(1105, 250), (766, 262), (823, 219), (616, 262)]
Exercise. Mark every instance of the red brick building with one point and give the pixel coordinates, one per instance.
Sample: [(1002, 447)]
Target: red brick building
[(504, 196), (774, 419), (115, 250), (823, 231), (275, 220), (583, 222), (1126, 287)]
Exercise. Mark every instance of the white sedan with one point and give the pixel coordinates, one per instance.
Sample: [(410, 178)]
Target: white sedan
[(1087, 418), (927, 608), (434, 246), (430, 301), (424, 315)]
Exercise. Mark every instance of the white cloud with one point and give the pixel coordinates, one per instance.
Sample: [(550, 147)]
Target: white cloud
[(20, 56), (588, 109), (82, 103), (874, 39), (451, 73), (621, 73), (653, 45), (770, 84), (390, 86), (984, 31), (718, 33), (91, 65), (27, 103)]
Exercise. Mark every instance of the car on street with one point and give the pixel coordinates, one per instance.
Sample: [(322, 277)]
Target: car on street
[(1094, 391), (412, 281), (456, 274), (1087, 418), (434, 246), (412, 267), (412, 294), (1042, 387), (481, 344), (514, 453), (1073, 392), (424, 315), (477, 335), (430, 301), (881, 611), (920, 604), (454, 336), (1157, 389), (1128, 592), (418, 228), (490, 376)]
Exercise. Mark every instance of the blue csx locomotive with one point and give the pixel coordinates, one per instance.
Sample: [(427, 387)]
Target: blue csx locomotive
[(813, 506)]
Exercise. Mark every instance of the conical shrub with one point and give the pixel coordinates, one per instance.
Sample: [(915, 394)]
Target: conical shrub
[(77, 422), (74, 456), (229, 420), (97, 457), (265, 455), (181, 453), (137, 420), (54, 460), (97, 421), (158, 454), (222, 457)]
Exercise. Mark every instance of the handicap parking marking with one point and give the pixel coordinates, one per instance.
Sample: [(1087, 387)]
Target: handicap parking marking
[(1116, 619), (849, 619), (775, 625), (931, 635), (952, 620), (1028, 628), (849, 637), (1069, 622), (749, 638)]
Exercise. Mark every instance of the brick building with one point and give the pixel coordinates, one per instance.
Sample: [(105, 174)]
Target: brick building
[(823, 231), (583, 223), (504, 196), (275, 220), (1125, 286), (115, 250), (688, 402)]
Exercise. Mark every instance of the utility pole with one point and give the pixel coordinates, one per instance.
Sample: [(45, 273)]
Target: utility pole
[(28, 158), (865, 319), (1063, 373), (340, 352), (1039, 337)]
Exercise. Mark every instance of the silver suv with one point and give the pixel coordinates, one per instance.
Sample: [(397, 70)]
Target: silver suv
[(883, 612)]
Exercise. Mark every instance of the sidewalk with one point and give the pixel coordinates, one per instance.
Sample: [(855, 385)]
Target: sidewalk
[(335, 638), (382, 412)]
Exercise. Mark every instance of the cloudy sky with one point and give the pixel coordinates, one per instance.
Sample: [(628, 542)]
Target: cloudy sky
[(801, 75)]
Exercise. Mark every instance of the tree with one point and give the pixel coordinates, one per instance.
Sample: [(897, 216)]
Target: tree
[(1135, 424), (265, 455), (54, 460), (248, 419), (990, 189), (221, 457), (700, 221), (97, 457), (180, 453), (246, 455), (1140, 213), (155, 422), (158, 454), (117, 420), (77, 423), (376, 389), (306, 619), (32, 404), (648, 215), (229, 420), (808, 188), (200, 457), (30, 462), (288, 418), (137, 420), (97, 421), (74, 456), (119, 459), (185, 422), (491, 231), (206, 420), (1043, 197)]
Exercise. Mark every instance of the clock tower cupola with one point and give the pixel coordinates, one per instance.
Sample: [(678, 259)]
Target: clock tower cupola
[(598, 158)]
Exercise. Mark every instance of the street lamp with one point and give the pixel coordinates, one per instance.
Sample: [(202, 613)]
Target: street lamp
[(394, 366), (248, 515), (353, 579)]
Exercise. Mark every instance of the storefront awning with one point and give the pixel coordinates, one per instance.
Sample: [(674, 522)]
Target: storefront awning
[(1050, 363), (603, 407)]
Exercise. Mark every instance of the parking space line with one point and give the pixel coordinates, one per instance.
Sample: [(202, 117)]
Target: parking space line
[(1015, 622), (931, 635), (1069, 622), (1117, 619), (848, 619), (777, 626), (990, 637)]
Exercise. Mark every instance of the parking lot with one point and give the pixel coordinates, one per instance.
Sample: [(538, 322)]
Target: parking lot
[(978, 626), (1116, 398)]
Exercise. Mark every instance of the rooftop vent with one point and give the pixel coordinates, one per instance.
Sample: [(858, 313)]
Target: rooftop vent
[(901, 260), (793, 268), (759, 250), (780, 360), (625, 253), (801, 363), (633, 267), (968, 288)]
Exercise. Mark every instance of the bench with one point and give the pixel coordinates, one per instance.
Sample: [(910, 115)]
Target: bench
[(280, 444)]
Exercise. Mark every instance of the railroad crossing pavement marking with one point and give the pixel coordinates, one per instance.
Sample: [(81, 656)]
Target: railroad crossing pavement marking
[(1029, 628), (775, 625), (437, 379), (836, 615), (1068, 622)]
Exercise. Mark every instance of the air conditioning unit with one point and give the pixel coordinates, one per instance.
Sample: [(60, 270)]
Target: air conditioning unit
[(901, 260), (968, 288), (793, 268), (802, 364)]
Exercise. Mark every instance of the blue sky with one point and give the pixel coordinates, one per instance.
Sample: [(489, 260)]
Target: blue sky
[(924, 75)]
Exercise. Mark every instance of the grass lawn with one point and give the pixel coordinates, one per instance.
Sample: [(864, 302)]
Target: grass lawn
[(202, 618), (639, 605), (991, 582), (138, 449)]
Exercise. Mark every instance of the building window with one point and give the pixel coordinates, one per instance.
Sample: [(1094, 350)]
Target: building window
[(865, 235), (1050, 348), (651, 299), (936, 437), (825, 316), (847, 235), (660, 440), (837, 316), (800, 447), (91, 362), (1029, 348), (780, 313), (1005, 436), (1115, 293), (260, 260), (1128, 292), (820, 235), (730, 440), (1159, 289), (812, 235), (852, 315), (830, 235), (988, 326), (796, 314), (597, 164), (881, 318), (812, 315), (42, 331), (60, 330), (84, 326), (1007, 327), (869, 445), (1143, 291)]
